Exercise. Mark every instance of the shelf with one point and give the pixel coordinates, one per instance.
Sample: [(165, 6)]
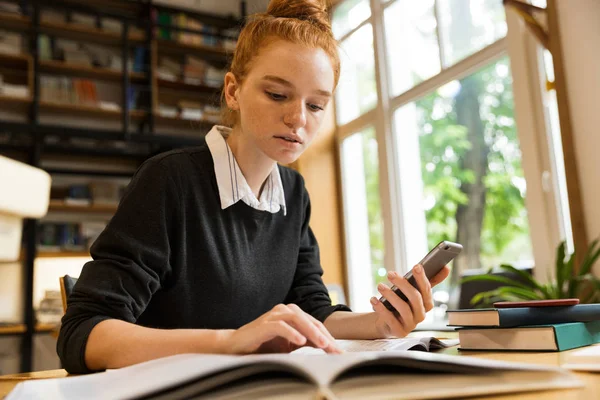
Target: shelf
[(69, 30), (14, 21), (11, 103), (59, 205), (63, 254), (60, 67), (12, 329), (183, 86), (192, 123), (18, 329), (90, 111), (86, 33), (174, 47), (46, 328), (14, 60)]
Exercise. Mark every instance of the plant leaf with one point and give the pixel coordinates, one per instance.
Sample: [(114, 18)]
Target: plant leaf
[(524, 275), (492, 296), (590, 258), (560, 261), (521, 293), (568, 273), (495, 278), (551, 292)]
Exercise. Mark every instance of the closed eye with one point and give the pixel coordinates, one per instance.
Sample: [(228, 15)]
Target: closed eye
[(275, 96), (315, 107)]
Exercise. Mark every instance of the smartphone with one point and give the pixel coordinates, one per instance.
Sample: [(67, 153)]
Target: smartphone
[(432, 263)]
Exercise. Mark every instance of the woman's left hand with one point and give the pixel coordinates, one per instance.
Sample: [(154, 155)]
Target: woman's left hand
[(409, 313)]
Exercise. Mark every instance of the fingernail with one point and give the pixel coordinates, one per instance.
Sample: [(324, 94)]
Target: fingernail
[(373, 300), (418, 269), (392, 274), (382, 286)]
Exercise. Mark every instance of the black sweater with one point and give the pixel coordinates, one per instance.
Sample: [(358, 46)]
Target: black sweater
[(172, 258)]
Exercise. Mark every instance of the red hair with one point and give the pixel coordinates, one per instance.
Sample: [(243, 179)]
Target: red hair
[(303, 22)]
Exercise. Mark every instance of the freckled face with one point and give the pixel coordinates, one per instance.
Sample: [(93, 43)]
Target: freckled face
[(282, 100)]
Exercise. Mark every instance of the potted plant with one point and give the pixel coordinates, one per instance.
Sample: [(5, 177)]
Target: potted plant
[(568, 282)]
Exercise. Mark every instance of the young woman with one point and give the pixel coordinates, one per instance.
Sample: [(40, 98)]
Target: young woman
[(210, 250)]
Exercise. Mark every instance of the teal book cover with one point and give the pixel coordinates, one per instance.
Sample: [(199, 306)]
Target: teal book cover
[(577, 334)]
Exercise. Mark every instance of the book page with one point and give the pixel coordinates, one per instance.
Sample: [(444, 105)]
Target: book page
[(585, 359), (411, 343), (211, 371)]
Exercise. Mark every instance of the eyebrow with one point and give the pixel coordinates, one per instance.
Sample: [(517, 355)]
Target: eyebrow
[(283, 82)]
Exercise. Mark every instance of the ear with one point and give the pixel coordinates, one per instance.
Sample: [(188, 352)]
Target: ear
[(231, 91)]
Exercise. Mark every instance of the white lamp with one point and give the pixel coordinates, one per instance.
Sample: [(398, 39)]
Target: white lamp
[(24, 193)]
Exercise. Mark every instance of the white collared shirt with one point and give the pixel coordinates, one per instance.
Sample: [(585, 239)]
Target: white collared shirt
[(232, 184)]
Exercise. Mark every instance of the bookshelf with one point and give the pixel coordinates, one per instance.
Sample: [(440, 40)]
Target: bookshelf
[(63, 68), (121, 129), (188, 87), (85, 110), (59, 205)]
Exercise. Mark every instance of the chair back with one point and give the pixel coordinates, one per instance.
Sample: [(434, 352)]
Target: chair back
[(66, 288)]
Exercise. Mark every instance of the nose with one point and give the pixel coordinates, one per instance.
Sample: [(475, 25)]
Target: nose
[(295, 116)]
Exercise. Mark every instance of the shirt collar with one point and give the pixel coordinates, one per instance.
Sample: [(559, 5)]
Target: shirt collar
[(232, 184)]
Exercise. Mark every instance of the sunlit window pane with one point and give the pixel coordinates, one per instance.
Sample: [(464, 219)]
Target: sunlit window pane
[(348, 15), (412, 47), (468, 26), (364, 225), (557, 156), (356, 92), (473, 183)]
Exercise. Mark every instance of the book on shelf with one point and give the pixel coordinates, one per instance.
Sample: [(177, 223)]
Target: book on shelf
[(13, 90), (202, 35), (48, 15), (10, 7), (521, 316), (11, 42), (84, 19), (557, 337), (59, 236), (401, 375)]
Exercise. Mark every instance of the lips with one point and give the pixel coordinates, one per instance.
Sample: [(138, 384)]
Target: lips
[(290, 138)]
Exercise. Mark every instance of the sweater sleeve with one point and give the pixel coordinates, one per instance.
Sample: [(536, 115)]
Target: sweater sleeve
[(131, 260), (308, 290)]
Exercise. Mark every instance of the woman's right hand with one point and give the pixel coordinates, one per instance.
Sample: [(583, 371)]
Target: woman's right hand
[(283, 329)]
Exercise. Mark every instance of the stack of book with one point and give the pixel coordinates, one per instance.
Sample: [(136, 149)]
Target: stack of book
[(527, 328)]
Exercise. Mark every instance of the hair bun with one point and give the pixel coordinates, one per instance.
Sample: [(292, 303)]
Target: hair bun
[(307, 10)]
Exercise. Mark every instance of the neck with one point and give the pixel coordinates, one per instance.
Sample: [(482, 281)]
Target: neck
[(255, 165)]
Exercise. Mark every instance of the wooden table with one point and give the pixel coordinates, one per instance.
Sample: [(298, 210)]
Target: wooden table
[(590, 391)]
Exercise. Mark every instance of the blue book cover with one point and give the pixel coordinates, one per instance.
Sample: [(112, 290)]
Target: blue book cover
[(524, 316)]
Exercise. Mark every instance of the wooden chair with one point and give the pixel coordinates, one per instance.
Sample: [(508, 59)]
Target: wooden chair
[(66, 288)]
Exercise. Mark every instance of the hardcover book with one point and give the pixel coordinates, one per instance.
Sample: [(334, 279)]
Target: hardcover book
[(388, 374)]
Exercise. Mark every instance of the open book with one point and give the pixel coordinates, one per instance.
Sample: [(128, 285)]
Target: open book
[(380, 375), (586, 359), (409, 343)]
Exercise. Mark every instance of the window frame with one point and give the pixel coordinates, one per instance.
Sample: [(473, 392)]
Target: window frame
[(526, 59)]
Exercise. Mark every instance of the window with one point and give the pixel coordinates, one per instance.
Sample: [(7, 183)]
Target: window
[(363, 216), (467, 26), (411, 30), (470, 186), (349, 15), (356, 92), (449, 159)]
